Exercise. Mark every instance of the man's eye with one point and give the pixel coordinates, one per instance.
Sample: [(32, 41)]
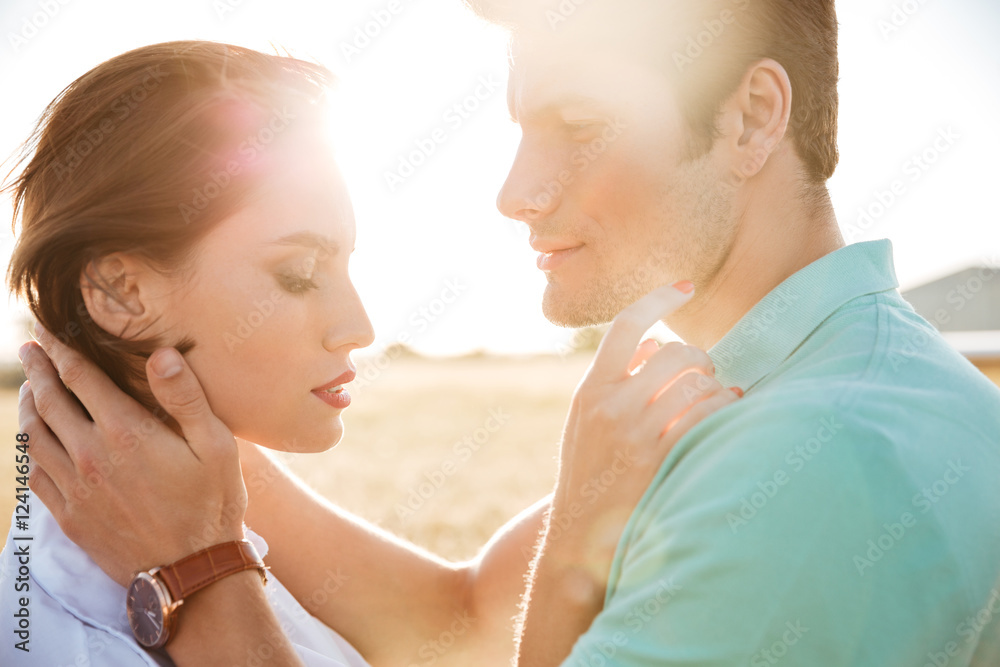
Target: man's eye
[(296, 284), (583, 130)]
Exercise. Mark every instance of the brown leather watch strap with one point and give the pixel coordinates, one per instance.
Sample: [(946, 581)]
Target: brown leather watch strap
[(194, 572)]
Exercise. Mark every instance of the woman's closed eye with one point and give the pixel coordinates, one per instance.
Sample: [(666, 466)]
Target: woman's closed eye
[(296, 284)]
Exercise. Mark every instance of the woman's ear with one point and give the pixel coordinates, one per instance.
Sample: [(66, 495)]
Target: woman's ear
[(116, 290), (757, 117)]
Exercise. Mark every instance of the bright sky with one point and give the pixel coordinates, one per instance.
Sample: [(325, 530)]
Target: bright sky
[(438, 233)]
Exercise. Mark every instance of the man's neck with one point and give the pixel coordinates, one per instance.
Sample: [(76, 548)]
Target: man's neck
[(778, 236)]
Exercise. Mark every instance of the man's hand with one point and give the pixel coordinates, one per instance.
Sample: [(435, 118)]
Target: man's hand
[(125, 487), (634, 404), (134, 494)]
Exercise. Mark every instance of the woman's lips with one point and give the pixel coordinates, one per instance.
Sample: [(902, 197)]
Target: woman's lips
[(550, 261), (336, 397), (333, 392)]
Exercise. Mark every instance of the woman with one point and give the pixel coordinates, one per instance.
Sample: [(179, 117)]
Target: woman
[(174, 192), (178, 196)]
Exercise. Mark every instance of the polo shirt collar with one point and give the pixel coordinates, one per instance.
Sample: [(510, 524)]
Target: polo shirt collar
[(780, 322)]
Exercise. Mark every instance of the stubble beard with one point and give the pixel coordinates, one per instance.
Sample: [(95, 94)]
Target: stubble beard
[(696, 226)]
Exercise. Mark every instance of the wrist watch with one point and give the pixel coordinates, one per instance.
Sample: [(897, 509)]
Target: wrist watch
[(154, 596)]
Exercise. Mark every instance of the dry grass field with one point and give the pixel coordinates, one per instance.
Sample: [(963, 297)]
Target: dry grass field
[(411, 421)]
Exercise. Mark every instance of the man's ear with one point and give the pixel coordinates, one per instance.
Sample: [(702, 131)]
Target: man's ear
[(116, 290), (756, 117)]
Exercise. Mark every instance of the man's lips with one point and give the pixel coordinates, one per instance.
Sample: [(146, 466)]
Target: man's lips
[(553, 252)]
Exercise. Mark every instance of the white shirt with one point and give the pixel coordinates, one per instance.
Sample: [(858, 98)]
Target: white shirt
[(77, 618)]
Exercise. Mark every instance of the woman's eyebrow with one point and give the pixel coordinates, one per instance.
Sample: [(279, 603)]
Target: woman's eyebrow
[(309, 240)]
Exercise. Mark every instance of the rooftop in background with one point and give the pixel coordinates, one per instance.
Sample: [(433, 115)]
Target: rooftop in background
[(965, 308)]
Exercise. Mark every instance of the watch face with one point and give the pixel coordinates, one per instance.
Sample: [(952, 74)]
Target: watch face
[(147, 608)]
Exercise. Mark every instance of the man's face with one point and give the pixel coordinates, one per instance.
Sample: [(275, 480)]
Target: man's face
[(603, 180)]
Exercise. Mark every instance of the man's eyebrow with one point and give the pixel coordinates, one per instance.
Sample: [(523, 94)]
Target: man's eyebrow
[(309, 240)]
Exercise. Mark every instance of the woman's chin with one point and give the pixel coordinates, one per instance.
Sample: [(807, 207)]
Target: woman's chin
[(311, 442)]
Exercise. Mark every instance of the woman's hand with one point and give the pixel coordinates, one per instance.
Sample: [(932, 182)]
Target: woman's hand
[(635, 402), (633, 405), (126, 488)]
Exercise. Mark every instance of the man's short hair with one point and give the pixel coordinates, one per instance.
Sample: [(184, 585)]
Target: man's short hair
[(705, 48)]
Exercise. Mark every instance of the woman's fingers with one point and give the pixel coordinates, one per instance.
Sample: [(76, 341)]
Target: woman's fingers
[(665, 367), (646, 349), (677, 399), (618, 347), (697, 412)]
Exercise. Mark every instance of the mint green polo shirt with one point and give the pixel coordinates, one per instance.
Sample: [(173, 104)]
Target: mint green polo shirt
[(845, 512)]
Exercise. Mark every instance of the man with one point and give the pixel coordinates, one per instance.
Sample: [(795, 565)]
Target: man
[(843, 513)]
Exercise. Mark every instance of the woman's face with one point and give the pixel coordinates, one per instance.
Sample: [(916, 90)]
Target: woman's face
[(272, 311)]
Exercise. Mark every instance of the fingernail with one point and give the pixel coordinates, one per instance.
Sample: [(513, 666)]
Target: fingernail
[(167, 363), (737, 391), (23, 350), (685, 286)]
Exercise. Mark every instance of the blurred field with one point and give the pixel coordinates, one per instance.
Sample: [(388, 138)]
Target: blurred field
[(405, 424)]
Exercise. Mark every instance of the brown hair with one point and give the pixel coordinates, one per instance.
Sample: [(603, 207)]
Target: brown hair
[(144, 154), (705, 48)]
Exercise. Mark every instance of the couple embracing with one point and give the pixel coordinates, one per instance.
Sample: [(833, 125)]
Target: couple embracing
[(769, 470)]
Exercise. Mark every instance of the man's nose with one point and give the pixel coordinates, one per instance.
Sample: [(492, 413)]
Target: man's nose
[(532, 190)]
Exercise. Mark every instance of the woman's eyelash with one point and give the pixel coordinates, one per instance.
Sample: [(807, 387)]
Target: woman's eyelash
[(296, 284)]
